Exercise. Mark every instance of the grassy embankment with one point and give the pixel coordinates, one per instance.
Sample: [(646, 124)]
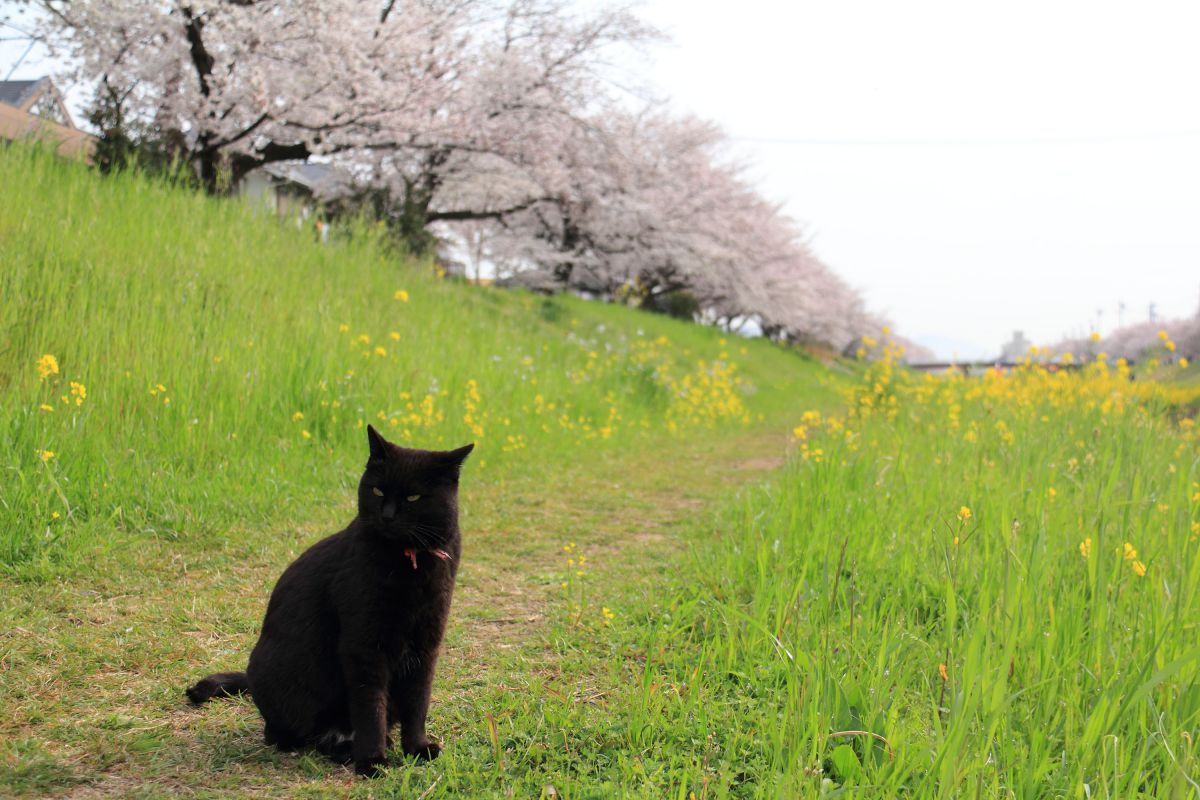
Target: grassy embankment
[(183, 391), (208, 369)]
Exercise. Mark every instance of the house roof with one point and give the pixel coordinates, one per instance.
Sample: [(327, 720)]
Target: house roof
[(18, 93), (320, 179)]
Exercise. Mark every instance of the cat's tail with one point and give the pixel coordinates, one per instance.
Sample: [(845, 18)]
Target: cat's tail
[(222, 684)]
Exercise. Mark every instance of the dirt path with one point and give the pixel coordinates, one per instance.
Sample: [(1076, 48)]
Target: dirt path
[(618, 511), (93, 668)]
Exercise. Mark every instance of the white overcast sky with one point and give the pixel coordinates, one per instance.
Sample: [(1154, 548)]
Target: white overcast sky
[(973, 168)]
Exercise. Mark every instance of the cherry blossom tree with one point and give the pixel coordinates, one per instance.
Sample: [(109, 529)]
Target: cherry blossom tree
[(493, 121), (407, 92)]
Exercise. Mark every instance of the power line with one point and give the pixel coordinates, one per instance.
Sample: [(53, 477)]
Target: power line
[(1051, 140)]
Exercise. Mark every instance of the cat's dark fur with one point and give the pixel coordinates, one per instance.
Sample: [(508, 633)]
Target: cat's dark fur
[(353, 627)]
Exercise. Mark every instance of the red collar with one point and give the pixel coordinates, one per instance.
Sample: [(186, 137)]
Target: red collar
[(411, 554)]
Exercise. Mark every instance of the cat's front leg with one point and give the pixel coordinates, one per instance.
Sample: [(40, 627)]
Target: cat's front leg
[(409, 705), (366, 685)]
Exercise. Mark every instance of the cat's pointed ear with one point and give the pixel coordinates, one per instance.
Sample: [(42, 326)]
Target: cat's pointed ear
[(450, 461), (379, 445)]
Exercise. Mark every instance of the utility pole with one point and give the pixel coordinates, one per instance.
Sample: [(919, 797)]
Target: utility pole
[(1121, 314), (1153, 315)]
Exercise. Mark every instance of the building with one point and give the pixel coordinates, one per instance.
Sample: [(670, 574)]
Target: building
[(1016, 349), (35, 110), (296, 190)]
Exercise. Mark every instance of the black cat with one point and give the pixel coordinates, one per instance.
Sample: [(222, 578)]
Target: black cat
[(353, 627)]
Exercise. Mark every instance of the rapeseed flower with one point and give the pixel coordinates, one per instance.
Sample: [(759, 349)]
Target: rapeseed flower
[(47, 365), (401, 295), (964, 514)]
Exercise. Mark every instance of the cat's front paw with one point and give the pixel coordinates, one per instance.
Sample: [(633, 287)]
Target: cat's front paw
[(370, 767), (427, 751)]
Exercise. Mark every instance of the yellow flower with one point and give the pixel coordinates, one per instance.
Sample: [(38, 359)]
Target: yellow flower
[(1170, 346), (305, 434), (800, 432), (401, 295), (363, 339), (299, 415), (47, 365), (1183, 362), (343, 328), (964, 514), (1051, 493), (1130, 552), (1163, 335), (1095, 337), (1085, 547), (45, 455), (381, 352), (46, 407), (1139, 569), (54, 515), (79, 392), (394, 336)]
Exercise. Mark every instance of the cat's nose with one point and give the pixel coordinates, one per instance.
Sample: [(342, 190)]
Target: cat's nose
[(389, 511)]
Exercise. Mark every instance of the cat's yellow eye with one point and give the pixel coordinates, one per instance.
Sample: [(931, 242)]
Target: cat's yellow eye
[(377, 491), (412, 498)]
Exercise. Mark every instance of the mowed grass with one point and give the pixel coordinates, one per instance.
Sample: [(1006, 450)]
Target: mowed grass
[(960, 588)]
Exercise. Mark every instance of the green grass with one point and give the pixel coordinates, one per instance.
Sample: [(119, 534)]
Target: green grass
[(801, 650), (640, 611), (228, 379), (141, 554)]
